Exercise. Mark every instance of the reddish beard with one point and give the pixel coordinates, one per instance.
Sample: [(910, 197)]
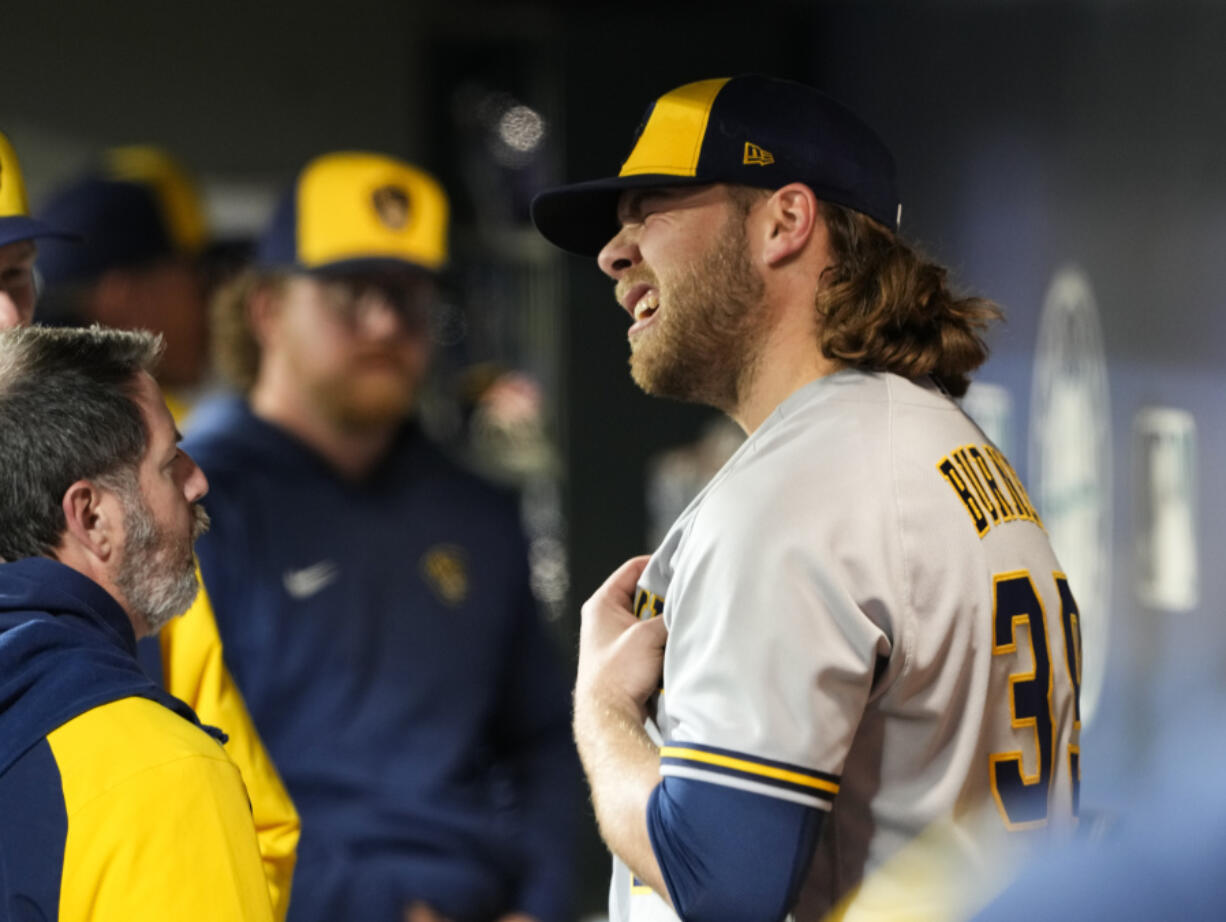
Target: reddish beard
[(377, 391), (708, 334)]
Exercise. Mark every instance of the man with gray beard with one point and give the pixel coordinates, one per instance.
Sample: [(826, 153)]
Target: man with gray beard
[(101, 771)]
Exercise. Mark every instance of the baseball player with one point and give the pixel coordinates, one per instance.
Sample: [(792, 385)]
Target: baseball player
[(138, 266), (863, 634), (372, 597), (18, 250)]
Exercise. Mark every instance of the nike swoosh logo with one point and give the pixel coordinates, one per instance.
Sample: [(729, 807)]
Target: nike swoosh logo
[(306, 582)]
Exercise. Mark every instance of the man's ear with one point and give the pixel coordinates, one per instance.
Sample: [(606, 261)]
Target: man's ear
[(263, 310), (791, 217), (92, 517)]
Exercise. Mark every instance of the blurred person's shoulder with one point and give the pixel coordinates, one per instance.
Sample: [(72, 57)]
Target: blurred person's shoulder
[(224, 437), (419, 459)]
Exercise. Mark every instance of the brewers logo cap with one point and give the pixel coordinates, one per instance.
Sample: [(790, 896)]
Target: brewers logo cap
[(15, 221), (135, 206), (750, 130), (352, 210)]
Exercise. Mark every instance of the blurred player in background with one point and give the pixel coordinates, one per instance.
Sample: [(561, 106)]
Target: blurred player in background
[(374, 599), (865, 635), (186, 655), (19, 283), (138, 266)]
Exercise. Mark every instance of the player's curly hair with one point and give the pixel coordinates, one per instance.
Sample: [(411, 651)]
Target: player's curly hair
[(234, 345), (885, 307)]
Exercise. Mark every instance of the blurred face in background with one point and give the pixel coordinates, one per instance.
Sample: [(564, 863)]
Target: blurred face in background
[(355, 345), (165, 297), (18, 290)]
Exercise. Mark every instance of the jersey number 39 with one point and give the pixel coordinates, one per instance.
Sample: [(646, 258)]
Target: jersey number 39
[(1022, 797)]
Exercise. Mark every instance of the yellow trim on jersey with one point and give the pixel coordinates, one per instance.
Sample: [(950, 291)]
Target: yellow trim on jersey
[(672, 138), (750, 768)]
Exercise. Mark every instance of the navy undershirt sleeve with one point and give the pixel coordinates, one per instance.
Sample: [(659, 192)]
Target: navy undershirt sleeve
[(729, 855)]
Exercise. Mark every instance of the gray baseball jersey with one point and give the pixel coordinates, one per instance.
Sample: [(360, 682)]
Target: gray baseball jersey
[(865, 616)]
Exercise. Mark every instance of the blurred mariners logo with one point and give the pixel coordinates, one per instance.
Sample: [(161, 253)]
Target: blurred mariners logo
[(445, 569), (392, 206), (756, 155), (1070, 468)]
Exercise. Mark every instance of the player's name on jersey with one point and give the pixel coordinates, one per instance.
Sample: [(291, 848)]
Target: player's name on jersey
[(988, 487)]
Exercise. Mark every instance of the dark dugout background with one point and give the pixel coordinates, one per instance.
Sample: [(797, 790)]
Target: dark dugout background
[(1030, 136)]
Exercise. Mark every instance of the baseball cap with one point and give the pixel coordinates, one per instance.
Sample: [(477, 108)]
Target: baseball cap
[(136, 206), (354, 210), (173, 189), (750, 130), (15, 221)]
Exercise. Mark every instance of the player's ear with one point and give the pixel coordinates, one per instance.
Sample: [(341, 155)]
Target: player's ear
[(92, 517), (790, 216), (263, 309)]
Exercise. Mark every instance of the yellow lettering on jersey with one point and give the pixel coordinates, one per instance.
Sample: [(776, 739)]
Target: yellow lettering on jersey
[(1027, 616), (968, 474), (981, 464), (1014, 483), (647, 604), (1011, 483), (950, 472)]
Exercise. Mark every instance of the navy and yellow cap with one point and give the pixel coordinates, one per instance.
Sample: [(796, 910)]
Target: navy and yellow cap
[(352, 210), (16, 224), (136, 206), (748, 130)]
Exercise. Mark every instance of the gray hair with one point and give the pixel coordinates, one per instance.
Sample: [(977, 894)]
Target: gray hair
[(68, 412)]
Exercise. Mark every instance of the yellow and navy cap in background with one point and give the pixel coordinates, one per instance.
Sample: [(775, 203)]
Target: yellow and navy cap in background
[(351, 210), (15, 221), (133, 207), (174, 188), (749, 130)]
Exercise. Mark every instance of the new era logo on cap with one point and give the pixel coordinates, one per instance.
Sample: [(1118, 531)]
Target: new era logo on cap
[(755, 154), (749, 130)]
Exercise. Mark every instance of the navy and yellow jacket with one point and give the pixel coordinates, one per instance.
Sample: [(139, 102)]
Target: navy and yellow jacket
[(385, 638), (114, 801), (186, 658)]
